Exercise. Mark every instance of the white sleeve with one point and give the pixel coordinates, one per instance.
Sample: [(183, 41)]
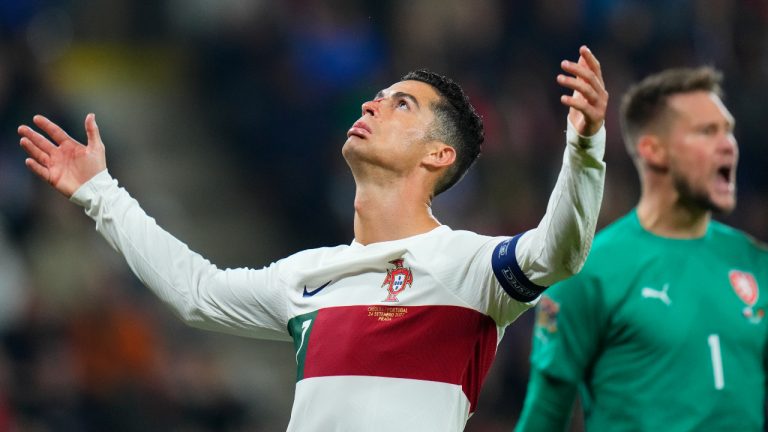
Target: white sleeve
[(247, 302), (558, 247)]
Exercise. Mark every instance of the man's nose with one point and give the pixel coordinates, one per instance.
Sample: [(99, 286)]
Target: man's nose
[(729, 144), (371, 107)]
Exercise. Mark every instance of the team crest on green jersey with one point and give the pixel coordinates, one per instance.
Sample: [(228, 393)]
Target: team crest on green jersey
[(397, 279), (546, 314), (745, 286)]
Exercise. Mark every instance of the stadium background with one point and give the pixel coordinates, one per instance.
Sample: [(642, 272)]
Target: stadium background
[(225, 119)]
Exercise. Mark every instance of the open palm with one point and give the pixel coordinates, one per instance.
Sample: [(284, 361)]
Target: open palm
[(67, 164), (589, 100)]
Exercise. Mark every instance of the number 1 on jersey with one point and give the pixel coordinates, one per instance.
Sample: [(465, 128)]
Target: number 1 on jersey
[(717, 360)]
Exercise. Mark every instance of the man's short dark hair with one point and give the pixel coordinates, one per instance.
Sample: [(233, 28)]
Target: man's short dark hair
[(456, 124), (644, 105)]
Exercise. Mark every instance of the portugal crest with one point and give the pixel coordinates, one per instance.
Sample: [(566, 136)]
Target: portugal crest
[(397, 279)]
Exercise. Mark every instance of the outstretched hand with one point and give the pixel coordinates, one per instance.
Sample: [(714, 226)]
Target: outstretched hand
[(590, 99), (67, 164)]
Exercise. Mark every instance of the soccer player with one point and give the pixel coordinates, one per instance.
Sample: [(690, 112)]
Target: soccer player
[(397, 330), (664, 329)]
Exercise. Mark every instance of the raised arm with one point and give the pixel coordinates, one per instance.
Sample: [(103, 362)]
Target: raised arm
[(242, 301), (557, 248), (67, 164)]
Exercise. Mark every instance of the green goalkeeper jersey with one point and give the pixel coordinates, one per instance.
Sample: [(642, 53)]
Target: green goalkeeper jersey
[(661, 334)]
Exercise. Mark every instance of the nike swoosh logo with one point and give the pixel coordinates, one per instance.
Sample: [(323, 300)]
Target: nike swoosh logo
[(314, 291)]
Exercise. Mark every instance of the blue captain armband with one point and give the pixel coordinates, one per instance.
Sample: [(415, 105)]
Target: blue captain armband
[(510, 275)]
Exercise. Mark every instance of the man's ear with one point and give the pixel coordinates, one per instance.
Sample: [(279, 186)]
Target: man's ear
[(653, 152), (440, 155)]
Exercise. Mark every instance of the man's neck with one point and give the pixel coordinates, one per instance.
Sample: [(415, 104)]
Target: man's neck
[(384, 213), (666, 217)]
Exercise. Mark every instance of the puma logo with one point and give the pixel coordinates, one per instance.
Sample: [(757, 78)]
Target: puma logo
[(661, 295)]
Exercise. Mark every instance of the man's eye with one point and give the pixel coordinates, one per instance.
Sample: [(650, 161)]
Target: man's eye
[(401, 104)]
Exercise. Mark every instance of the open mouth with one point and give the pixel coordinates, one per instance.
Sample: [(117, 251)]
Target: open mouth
[(725, 179), (725, 172)]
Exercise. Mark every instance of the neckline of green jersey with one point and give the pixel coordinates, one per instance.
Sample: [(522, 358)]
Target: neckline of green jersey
[(636, 222)]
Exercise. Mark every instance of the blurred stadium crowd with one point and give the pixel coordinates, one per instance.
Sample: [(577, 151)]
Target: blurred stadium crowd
[(225, 119)]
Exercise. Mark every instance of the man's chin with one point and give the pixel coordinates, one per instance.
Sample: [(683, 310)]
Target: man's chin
[(717, 205), (715, 200), (347, 149), (723, 206)]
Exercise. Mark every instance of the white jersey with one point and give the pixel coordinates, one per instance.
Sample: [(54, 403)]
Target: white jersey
[(395, 335)]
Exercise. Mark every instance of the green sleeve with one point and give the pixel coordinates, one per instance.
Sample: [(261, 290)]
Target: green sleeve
[(765, 384), (548, 404), (570, 321)]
